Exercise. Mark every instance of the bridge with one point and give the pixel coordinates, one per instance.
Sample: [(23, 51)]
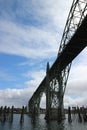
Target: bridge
[(74, 40)]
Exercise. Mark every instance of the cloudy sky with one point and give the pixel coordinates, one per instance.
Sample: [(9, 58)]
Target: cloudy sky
[(30, 35)]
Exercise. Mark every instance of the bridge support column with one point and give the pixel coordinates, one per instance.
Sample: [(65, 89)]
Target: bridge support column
[(60, 98), (47, 94), (34, 108), (54, 98)]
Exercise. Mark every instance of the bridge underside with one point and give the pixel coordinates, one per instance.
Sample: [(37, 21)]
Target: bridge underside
[(52, 83)]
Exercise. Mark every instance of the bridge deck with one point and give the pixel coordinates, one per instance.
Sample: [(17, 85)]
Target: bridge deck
[(76, 44)]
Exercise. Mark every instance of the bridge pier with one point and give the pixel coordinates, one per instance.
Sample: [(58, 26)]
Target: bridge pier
[(54, 98), (34, 106)]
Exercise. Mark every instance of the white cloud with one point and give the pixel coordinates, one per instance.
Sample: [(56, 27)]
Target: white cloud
[(48, 11), (36, 78), (27, 41), (16, 97), (74, 102), (19, 97)]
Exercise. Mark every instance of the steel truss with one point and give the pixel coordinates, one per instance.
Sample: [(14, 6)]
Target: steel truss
[(57, 86)]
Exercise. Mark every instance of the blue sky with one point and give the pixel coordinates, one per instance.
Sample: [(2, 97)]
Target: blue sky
[(30, 34)]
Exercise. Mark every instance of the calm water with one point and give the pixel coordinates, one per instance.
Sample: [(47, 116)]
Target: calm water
[(40, 124)]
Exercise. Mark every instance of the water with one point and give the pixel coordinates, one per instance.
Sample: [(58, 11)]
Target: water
[(39, 123)]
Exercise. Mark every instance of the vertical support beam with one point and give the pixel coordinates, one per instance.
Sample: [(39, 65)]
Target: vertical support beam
[(34, 104), (22, 115), (54, 97), (12, 111), (47, 93), (61, 105)]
